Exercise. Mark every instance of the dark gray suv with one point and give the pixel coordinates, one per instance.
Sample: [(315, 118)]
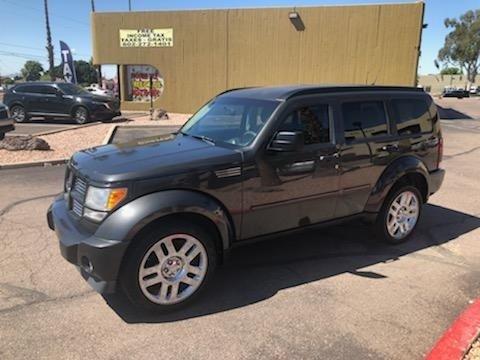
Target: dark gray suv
[(153, 218), (6, 124), (53, 100)]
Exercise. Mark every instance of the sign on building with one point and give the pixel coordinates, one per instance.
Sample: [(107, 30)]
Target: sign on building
[(146, 38)]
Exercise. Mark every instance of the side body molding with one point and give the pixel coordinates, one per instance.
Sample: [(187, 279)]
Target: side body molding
[(398, 168), (127, 221)]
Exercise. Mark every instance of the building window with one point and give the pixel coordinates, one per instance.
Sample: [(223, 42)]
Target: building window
[(138, 83)]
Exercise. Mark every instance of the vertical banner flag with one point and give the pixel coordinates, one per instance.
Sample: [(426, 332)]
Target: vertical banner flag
[(69, 74)]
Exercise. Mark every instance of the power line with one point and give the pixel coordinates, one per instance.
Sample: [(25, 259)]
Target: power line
[(62, 17), (27, 56), (39, 49)]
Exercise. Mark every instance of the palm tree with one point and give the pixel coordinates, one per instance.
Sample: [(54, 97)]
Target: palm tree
[(49, 46)]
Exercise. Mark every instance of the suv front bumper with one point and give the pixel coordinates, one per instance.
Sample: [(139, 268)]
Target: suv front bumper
[(98, 260)]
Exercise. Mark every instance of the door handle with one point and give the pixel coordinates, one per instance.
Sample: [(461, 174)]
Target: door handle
[(329, 157), (390, 148)]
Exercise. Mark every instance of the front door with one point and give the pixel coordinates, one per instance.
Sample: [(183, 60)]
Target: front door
[(285, 190)]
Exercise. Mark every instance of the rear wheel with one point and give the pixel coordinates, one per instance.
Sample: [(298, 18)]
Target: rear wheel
[(399, 214), (81, 115), (18, 113), (169, 266)]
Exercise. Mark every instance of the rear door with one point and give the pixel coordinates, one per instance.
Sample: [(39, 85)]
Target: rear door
[(368, 146)]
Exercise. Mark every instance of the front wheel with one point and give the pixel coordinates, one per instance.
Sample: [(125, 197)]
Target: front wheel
[(169, 267), (399, 214), (18, 113)]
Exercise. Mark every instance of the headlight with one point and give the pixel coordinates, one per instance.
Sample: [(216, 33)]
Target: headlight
[(103, 199)]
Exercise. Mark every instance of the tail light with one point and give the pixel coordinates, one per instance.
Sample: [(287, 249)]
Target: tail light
[(439, 152)]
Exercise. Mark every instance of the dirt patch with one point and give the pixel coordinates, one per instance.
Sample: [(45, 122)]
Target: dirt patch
[(474, 352), (65, 143)]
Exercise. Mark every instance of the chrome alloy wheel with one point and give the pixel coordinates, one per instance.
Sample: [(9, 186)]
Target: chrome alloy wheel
[(403, 215), (173, 269), (18, 114)]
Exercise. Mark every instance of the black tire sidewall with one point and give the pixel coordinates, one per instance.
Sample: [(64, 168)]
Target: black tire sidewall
[(128, 281), (381, 224)]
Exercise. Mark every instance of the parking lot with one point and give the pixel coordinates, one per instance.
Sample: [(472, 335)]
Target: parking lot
[(333, 293)]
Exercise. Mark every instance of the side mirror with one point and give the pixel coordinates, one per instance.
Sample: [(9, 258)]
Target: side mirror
[(287, 141)]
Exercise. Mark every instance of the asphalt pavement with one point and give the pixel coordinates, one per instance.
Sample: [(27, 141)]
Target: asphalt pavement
[(329, 294)]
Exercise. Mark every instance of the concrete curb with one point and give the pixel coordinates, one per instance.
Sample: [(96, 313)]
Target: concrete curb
[(39, 163), (457, 340)]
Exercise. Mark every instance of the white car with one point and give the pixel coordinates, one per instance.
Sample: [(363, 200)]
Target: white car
[(97, 90), (474, 89)]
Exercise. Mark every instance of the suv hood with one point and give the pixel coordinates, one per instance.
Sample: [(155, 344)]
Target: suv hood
[(151, 157)]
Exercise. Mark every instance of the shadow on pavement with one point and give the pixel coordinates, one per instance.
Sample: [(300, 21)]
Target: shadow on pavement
[(451, 114), (257, 271)]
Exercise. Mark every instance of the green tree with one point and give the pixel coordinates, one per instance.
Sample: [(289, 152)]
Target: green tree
[(8, 81), (86, 73), (451, 71), (462, 44), (32, 70)]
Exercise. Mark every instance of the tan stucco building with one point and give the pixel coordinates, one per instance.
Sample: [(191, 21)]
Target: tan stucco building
[(200, 53)]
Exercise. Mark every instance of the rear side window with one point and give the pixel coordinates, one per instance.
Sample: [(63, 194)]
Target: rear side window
[(364, 120), (411, 116), (25, 89), (313, 121)]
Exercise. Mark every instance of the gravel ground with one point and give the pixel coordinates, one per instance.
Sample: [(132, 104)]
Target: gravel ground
[(65, 143), (474, 353)]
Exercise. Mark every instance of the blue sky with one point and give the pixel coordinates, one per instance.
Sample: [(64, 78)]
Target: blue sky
[(22, 34)]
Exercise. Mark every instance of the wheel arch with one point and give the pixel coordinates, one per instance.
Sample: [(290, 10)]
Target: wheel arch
[(141, 214), (408, 170)]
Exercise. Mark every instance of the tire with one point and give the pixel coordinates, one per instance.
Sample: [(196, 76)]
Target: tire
[(399, 214), (18, 113), (156, 283), (81, 115)]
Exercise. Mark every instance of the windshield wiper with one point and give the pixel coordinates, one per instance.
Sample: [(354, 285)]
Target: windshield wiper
[(200, 137)]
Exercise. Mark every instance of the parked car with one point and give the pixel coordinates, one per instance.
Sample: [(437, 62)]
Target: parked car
[(64, 100), (6, 124), (474, 90), (97, 90), (459, 94), (152, 219)]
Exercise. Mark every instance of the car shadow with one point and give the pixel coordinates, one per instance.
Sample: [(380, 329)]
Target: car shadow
[(257, 271), (451, 114)]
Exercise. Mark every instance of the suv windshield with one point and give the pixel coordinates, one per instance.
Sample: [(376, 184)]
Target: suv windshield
[(71, 89), (235, 121)]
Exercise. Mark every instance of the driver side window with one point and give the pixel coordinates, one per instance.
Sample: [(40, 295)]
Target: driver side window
[(312, 120)]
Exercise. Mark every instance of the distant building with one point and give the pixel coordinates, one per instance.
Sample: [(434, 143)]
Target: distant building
[(435, 84), (189, 56)]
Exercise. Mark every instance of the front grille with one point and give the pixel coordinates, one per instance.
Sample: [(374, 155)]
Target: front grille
[(3, 114), (77, 207), (78, 192), (80, 186)]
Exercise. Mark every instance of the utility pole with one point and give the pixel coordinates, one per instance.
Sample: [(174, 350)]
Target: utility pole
[(129, 5), (49, 46), (93, 5)]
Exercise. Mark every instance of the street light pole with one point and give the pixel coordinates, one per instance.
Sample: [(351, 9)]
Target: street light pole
[(129, 5), (93, 5)]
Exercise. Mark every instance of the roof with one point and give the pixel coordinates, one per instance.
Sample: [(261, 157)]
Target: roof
[(288, 91)]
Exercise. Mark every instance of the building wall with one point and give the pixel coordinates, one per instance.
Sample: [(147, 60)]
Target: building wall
[(214, 50)]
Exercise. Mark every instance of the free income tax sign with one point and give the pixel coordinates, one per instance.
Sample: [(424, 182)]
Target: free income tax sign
[(146, 38)]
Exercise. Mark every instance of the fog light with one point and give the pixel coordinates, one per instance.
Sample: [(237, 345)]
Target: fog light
[(87, 264), (96, 216)]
